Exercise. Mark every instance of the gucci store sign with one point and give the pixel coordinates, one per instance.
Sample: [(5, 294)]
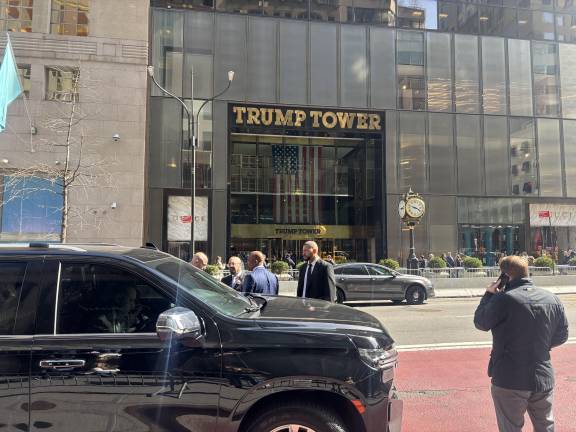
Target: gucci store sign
[(179, 218), (306, 118), (559, 215)]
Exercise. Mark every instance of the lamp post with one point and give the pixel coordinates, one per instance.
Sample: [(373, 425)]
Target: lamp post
[(191, 138)]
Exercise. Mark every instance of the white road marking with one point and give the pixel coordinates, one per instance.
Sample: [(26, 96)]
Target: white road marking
[(455, 345), (464, 316)]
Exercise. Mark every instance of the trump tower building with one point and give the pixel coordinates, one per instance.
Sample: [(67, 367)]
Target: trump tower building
[(338, 107)]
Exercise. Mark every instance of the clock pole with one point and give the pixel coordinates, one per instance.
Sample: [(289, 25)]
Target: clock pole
[(411, 209)]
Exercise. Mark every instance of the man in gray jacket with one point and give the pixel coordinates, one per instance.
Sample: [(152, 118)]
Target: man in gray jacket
[(526, 323)]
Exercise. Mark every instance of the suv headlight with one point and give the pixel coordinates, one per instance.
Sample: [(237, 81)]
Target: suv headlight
[(379, 358)]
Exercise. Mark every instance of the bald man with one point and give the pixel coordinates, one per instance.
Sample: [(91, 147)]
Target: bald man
[(316, 279), (200, 260), (236, 276), (260, 280)]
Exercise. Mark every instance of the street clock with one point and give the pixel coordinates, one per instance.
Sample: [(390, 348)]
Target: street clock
[(411, 208)]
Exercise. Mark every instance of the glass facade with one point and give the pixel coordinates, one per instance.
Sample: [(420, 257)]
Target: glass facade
[(480, 113)]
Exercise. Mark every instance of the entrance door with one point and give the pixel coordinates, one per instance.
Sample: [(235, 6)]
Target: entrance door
[(98, 365)]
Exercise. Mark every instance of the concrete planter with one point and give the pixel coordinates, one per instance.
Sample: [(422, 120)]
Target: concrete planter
[(476, 274), (541, 272), (284, 277), (436, 275)]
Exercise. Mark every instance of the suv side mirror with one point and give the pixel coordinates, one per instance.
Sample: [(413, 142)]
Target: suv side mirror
[(178, 323)]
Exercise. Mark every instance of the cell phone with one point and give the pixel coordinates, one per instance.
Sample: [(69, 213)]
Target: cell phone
[(503, 280)]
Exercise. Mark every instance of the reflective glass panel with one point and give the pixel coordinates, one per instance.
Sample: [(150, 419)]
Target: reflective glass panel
[(469, 150), (439, 70), (323, 64), (297, 9), (293, 67), (543, 25), (411, 82), (570, 156), (333, 11), (520, 77), (418, 14), (496, 155), (467, 74), (441, 151), (353, 66), (493, 75), (566, 28), (523, 159), (412, 157), (545, 68), (382, 68), (549, 158), (568, 79)]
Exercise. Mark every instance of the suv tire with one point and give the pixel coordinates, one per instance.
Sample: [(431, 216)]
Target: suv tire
[(340, 296), (311, 418), (415, 294)]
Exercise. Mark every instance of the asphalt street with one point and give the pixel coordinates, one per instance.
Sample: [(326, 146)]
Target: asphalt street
[(442, 321)]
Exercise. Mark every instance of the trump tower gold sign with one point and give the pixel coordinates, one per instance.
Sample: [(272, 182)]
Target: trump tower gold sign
[(306, 118)]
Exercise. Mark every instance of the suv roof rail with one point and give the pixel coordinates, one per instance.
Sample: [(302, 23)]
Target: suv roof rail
[(150, 245), (39, 245)]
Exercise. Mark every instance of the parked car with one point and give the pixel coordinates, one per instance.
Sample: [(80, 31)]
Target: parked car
[(96, 338), (366, 281)]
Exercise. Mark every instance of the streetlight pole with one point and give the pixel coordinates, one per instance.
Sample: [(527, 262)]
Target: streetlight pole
[(191, 138)]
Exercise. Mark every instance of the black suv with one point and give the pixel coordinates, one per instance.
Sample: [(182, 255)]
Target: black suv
[(98, 338)]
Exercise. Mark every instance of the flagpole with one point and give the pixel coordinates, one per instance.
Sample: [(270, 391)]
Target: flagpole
[(26, 107)]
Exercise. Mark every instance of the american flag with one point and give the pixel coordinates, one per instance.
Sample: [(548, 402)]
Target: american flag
[(297, 184)]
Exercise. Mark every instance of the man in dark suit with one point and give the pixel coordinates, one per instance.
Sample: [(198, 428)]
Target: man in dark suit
[(316, 279), (236, 276)]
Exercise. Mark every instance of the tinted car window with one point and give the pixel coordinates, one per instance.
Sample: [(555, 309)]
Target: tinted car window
[(378, 271), (353, 271), (104, 299), (11, 280)]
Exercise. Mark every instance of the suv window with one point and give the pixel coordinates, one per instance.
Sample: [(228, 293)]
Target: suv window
[(11, 281), (103, 299), (378, 271), (353, 271)]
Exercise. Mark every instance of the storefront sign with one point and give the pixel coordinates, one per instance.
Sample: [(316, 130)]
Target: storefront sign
[(559, 215), (179, 218), (300, 232), (306, 118)]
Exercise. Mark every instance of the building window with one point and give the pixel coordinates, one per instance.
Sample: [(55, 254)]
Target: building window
[(31, 209), (411, 82), (566, 28), (418, 14), (545, 69), (24, 74), (16, 15), (62, 84), (70, 17)]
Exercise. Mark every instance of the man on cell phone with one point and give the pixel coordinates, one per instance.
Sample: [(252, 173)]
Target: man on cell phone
[(526, 323)]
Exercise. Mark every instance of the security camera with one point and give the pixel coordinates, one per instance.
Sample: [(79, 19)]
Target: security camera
[(113, 205), (116, 137)]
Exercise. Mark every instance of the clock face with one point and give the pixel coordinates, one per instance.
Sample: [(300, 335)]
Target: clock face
[(415, 207), (402, 208)]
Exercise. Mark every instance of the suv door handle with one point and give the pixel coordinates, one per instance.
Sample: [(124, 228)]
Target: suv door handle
[(62, 364)]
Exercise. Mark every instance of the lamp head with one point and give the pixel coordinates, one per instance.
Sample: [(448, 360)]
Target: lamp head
[(231, 75), (150, 70)]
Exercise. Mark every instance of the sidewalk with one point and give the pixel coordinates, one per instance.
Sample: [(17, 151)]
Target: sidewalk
[(479, 292)]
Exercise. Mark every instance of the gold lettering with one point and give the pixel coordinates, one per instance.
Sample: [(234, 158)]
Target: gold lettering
[(266, 116), (239, 111), (300, 117), (283, 119), (375, 122), (329, 123), (315, 118), (253, 116), (362, 121), (346, 119)]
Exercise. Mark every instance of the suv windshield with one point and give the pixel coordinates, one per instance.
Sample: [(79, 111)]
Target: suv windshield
[(202, 286)]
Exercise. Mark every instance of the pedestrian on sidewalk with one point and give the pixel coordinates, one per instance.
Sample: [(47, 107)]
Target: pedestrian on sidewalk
[(236, 276), (200, 260), (316, 278), (526, 323), (260, 280)]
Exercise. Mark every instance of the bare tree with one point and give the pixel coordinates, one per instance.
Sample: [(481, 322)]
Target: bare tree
[(60, 155)]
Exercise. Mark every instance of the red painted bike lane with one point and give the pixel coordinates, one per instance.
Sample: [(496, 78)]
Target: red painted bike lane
[(449, 391)]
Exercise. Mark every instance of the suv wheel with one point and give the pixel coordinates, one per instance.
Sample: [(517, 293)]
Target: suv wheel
[(297, 417), (415, 295), (340, 296)]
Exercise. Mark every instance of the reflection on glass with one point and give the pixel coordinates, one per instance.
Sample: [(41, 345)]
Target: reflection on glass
[(496, 155), (467, 74), (568, 79), (566, 28), (524, 168), (418, 14), (570, 156), (244, 7), (545, 68), (549, 158), (372, 12), (566, 5), (469, 151), (493, 75), (353, 66), (412, 155), (543, 25), (167, 51), (441, 151), (411, 82), (292, 59), (520, 78), (498, 21), (296, 9), (334, 11), (439, 70)]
